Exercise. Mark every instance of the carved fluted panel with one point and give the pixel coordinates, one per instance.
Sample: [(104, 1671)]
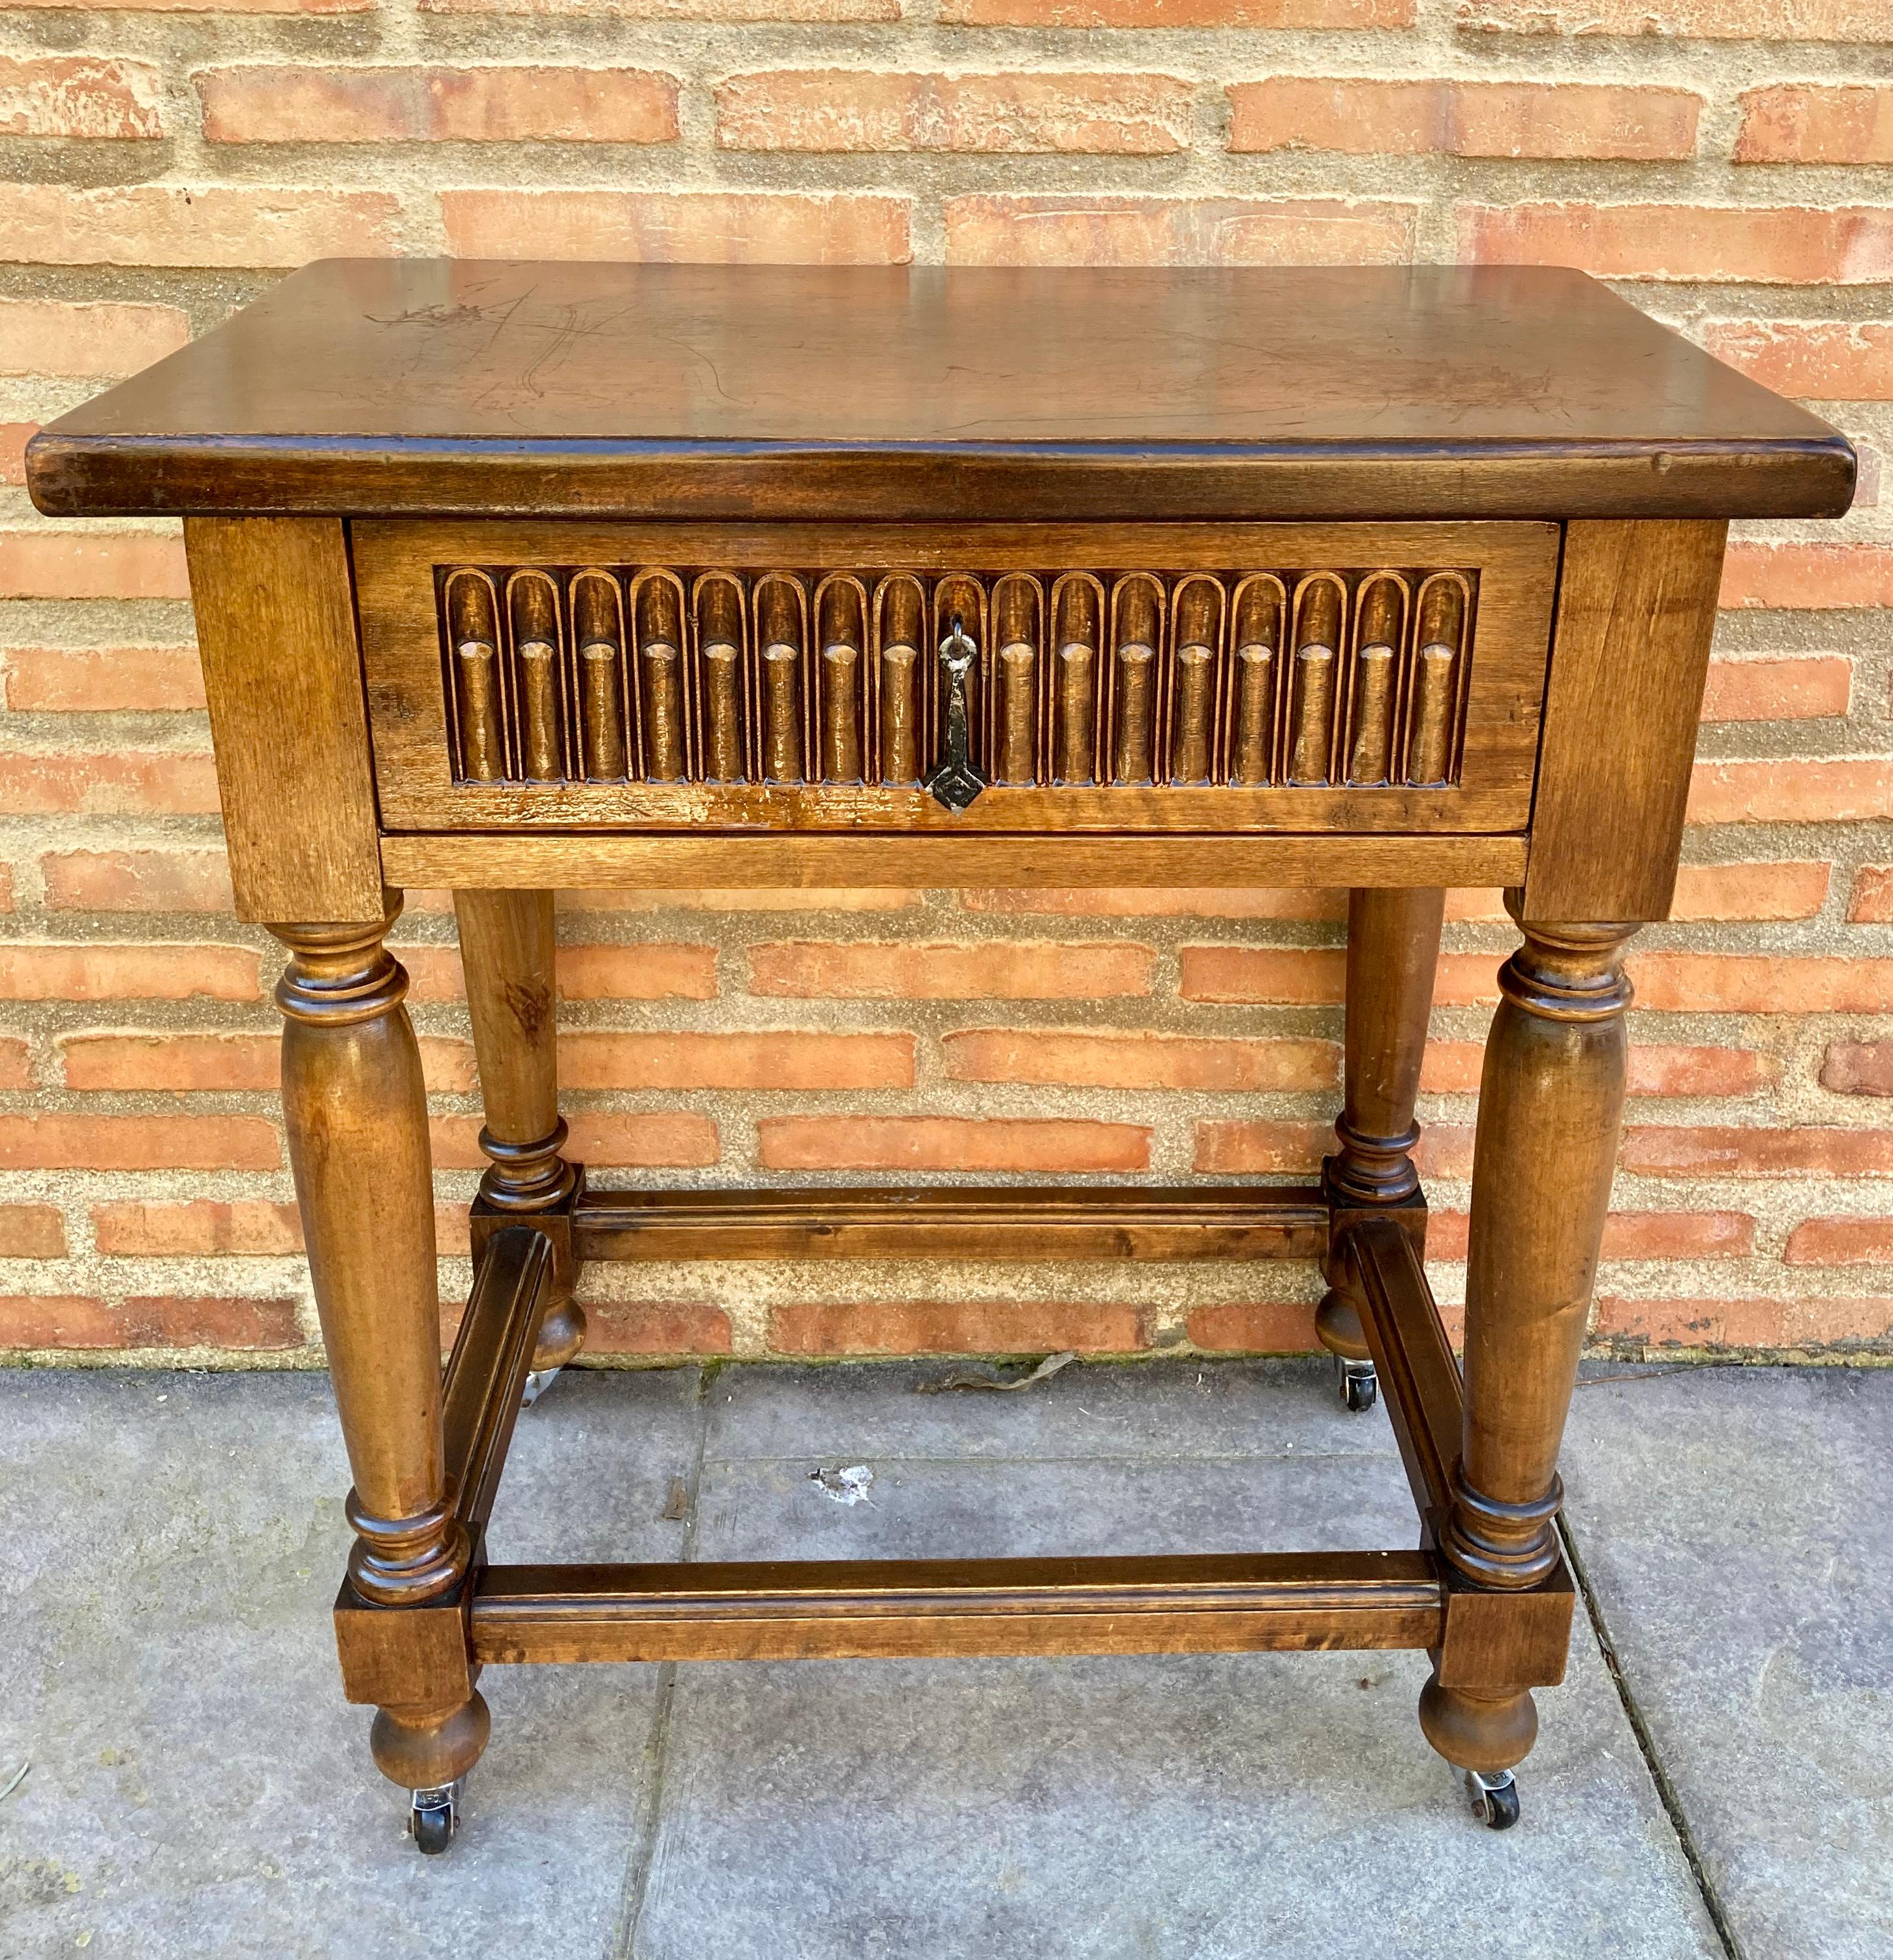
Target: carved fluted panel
[(1321, 675)]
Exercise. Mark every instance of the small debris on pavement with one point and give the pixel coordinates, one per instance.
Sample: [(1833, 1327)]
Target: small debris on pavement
[(847, 1486), (677, 1505), (1050, 1366), (15, 1781)]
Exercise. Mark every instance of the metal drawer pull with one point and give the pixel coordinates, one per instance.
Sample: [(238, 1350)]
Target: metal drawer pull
[(954, 781)]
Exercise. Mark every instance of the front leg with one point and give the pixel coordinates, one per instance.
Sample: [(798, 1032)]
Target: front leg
[(1550, 1110), (356, 1114)]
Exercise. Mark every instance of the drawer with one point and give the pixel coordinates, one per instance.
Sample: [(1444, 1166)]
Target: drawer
[(1199, 678)]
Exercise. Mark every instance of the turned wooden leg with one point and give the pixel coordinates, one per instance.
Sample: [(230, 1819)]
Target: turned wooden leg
[(1393, 947), (1550, 1107), (357, 1117), (507, 946)]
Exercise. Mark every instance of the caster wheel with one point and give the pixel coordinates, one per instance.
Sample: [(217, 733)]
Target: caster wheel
[(1360, 1386), (434, 1819), (1494, 1799)]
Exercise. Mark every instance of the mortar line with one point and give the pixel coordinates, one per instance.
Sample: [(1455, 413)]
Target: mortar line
[(650, 1815), (1666, 1792)]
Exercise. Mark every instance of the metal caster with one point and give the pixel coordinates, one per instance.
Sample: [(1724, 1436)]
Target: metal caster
[(1494, 1799), (434, 1818), (1360, 1386), (537, 1383)]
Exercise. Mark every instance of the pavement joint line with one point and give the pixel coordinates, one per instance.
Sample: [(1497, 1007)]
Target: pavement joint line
[(1666, 1792), (643, 1858)]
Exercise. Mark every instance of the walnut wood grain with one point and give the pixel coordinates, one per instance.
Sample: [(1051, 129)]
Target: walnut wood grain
[(870, 1609), (282, 680), (1031, 1222), (1636, 611), (407, 386)]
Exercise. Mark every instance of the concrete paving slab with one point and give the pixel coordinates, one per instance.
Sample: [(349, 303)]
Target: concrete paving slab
[(1735, 1528), (1240, 1805), (173, 1544)]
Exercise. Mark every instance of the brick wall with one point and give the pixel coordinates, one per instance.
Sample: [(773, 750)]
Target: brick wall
[(1726, 163)]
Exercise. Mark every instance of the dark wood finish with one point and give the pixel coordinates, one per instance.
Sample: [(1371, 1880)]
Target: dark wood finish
[(507, 948), (866, 1608), (1393, 947), (1636, 611), (1387, 580), (409, 387), (1033, 1222), (276, 632), (412, 579)]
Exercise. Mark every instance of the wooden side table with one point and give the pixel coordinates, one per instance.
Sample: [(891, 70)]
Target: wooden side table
[(514, 576)]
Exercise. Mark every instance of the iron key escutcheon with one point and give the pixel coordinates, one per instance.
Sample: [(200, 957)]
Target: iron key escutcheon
[(955, 781)]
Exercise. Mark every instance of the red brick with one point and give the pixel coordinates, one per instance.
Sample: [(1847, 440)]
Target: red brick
[(78, 97), (1160, 902), (959, 1327), (1858, 1068), (83, 7), (1778, 688), (987, 229), (654, 970), (1702, 20), (1732, 983), (1805, 578), (137, 881), (62, 1142), (1261, 1147), (1839, 1242), (754, 1061), (63, 1322), (31, 971), (1782, 890), (639, 1327), (1630, 1234), (720, 227), (1285, 976), (165, 225), (1804, 1321), (647, 1139), (1753, 244), (1782, 791), (94, 564), (1253, 1327), (117, 783), (1799, 122), (949, 1144), (260, 103), (1307, 14), (986, 969), (170, 1061), (89, 680), (1020, 110), (1818, 361), (32, 1232), (197, 1228), (94, 339), (1871, 902), (821, 11), (1658, 1150), (14, 438), (16, 1064), (1656, 1068), (1413, 117), (1137, 1060)]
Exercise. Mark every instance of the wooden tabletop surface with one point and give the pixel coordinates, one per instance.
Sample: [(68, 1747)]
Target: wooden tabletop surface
[(393, 386)]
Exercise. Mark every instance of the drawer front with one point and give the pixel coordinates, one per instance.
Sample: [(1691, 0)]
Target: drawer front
[(1216, 679)]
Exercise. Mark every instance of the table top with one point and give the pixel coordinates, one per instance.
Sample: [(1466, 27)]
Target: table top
[(398, 387)]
